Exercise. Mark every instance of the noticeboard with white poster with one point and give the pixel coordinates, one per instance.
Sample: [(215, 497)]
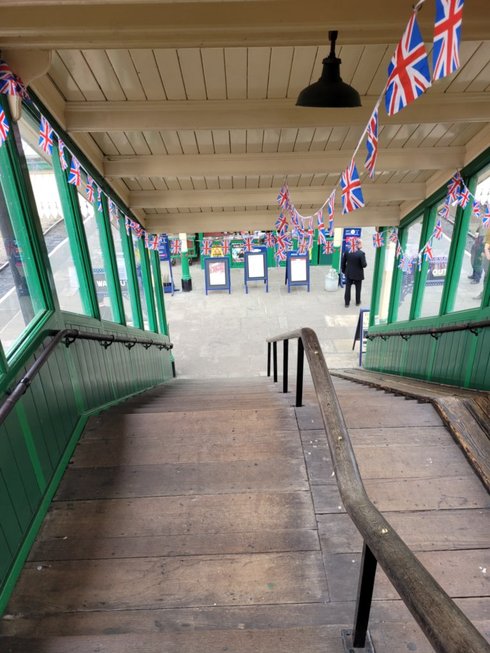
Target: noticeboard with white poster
[(217, 274), (256, 267), (298, 270)]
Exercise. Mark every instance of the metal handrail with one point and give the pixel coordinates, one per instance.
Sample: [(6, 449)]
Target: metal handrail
[(443, 623), (432, 331), (68, 336)]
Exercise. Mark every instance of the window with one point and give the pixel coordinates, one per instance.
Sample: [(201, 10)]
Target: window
[(122, 272), (437, 267), (139, 274), (475, 264), (48, 202), (157, 288), (386, 282), (20, 294), (410, 249), (94, 242)]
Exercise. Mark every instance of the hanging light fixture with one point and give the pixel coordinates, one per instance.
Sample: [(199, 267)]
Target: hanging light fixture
[(329, 90)]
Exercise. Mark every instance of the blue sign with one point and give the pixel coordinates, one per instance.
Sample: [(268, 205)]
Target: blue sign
[(164, 247), (349, 234), (256, 267), (217, 273), (297, 270)]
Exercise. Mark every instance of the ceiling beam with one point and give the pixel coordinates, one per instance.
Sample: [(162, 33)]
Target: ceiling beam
[(282, 163), (173, 199), (262, 114), (217, 24), (258, 220)]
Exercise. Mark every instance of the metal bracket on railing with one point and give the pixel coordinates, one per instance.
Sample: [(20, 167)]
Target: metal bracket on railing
[(130, 345), (436, 336), (69, 340), (106, 343), (147, 345), (383, 337), (474, 331), (405, 336), (368, 337)]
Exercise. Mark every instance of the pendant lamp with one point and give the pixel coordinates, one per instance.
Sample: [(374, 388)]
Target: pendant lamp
[(329, 90)]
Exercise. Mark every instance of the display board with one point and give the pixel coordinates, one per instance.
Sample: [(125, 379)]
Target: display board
[(217, 273), (256, 267), (164, 255), (361, 332), (297, 270)]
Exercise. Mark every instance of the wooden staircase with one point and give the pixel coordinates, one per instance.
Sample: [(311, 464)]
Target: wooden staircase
[(203, 516)]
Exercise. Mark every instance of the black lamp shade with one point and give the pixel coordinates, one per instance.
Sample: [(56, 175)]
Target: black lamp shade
[(329, 90)]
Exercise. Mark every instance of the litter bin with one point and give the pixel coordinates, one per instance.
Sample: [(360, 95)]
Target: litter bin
[(331, 279)]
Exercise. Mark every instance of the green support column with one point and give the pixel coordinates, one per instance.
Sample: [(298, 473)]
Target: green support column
[(184, 261)]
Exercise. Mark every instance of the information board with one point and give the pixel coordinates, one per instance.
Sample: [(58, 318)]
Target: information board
[(256, 267), (297, 270), (217, 273)]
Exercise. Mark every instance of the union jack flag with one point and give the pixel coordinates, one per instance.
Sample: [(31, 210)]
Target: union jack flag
[(394, 236), (75, 176), (302, 247), (248, 243), (270, 239), (319, 218), (281, 224), (206, 246), (454, 187), (378, 239), (99, 199), (429, 255), (7, 82), (447, 36), (89, 189), (225, 246), (309, 235), (352, 198), (398, 250), (486, 217), (372, 143), (406, 264), (282, 241), (113, 213), (61, 153), (137, 229), (351, 244), (438, 230), (328, 247), (322, 236), (283, 197), (153, 241), (464, 197), (445, 209), (477, 207), (127, 224), (45, 136), (176, 246), (408, 72), (330, 211), (280, 254), (4, 127), (295, 221)]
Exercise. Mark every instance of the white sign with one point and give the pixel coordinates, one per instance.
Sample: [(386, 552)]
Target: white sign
[(256, 266), (298, 269), (217, 273)]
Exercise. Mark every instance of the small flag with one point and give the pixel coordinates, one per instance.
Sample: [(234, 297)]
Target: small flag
[(447, 36), (352, 198), (206, 246), (408, 72), (331, 211), (378, 239), (269, 239), (226, 246), (372, 143), (4, 127), (351, 244), (303, 246), (398, 250), (248, 243), (477, 208), (127, 224), (319, 217), (89, 190), (438, 230), (394, 236), (283, 197), (176, 246), (464, 197), (445, 209), (282, 241), (74, 176), (281, 224), (280, 254), (328, 247), (45, 136), (454, 187), (99, 199), (429, 255), (61, 153), (486, 217), (7, 83)]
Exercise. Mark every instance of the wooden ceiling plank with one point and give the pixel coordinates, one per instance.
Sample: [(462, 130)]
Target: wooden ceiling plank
[(470, 69), (155, 142), (120, 140), (465, 134), (146, 68), (198, 183), (466, 51), (368, 64), (188, 142), (238, 183), (63, 80), (258, 66), (481, 82), (212, 183), (236, 73), (138, 143), (320, 139), (287, 140), (126, 74), (280, 68), (103, 72), (265, 181), (221, 140), (185, 184), (304, 58), (158, 183), (378, 79), (254, 140), (204, 140), (351, 56), (106, 144), (238, 141), (337, 137), (192, 73), (271, 140), (303, 139), (171, 141), (82, 74), (213, 64), (170, 73), (146, 183)]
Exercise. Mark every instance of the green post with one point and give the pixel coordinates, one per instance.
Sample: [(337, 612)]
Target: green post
[(184, 261)]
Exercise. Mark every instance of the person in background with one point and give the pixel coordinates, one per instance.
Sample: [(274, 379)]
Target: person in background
[(353, 264), (486, 263), (476, 257)]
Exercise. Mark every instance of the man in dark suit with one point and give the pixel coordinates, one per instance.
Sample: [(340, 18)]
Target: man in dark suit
[(353, 264)]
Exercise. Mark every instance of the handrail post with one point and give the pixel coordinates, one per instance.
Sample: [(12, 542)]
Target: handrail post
[(365, 589), (285, 365), (299, 373), (268, 359), (274, 359)]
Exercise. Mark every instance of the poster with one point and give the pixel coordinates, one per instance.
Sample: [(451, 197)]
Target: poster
[(256, 269), (217, 273), (299, 270)]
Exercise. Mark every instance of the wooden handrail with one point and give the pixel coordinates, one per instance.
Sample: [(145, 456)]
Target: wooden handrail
[(446, 627)]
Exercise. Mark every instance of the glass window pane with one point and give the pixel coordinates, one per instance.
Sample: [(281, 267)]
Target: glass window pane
[(436, 273), (386, 281), (20, 297), (411, 250), (96, 257), (50, 213), (139, 274), (122, 272), (156, 288), (475, 266)]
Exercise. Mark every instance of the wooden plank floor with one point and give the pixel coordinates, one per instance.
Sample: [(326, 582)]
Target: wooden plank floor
[(204, 517)]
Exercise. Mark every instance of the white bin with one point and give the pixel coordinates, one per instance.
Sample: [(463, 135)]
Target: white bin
[(331, 279)]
